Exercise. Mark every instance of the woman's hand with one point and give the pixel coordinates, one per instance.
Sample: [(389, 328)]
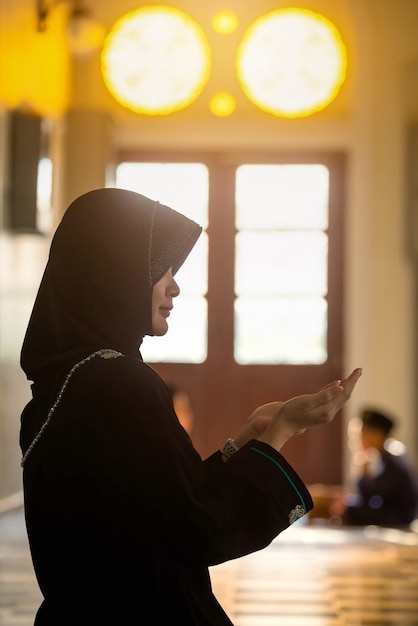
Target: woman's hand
[(276, 422), (257, 423)]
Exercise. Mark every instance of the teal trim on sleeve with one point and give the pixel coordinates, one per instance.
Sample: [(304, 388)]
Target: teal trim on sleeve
[(284, 472)]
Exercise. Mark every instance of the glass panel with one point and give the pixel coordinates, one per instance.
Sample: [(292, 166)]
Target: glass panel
[(281, 263), (44, 195), (185, 341), (282, 196), (182, 186), (192, 277), (281, 250), (185, 188), (280, 330)]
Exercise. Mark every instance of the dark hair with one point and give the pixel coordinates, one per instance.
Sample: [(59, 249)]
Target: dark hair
[(377, 419)]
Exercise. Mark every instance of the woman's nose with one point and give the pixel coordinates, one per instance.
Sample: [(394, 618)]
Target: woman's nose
[(174, 289)]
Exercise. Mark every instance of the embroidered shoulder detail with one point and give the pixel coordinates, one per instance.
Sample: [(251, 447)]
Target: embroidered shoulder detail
[(296, 513), (105, 353), (110, 354)]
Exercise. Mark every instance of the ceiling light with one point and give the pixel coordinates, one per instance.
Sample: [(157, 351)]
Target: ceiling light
[(225, 22), (222, 104)]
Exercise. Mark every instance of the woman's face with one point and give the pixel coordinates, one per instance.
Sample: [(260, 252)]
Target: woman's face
[(163, 293)]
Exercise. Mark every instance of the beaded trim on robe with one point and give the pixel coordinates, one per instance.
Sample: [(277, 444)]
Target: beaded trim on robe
[(104, 354)]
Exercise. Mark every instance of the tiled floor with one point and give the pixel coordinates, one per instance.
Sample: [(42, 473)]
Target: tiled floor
[(19, 593), (310, 576), (316, 576)]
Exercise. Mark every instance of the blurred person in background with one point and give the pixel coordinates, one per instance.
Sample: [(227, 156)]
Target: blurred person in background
[(387, 486)]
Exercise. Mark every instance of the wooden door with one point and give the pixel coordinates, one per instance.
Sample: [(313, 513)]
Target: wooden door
[(223, 392)]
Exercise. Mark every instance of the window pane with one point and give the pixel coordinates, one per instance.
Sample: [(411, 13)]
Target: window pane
[(282, 196), (185, 341), (185, 188), (280, 330), (282, 263), (281, 251), (44, 195), (192, 277), (182, 186)]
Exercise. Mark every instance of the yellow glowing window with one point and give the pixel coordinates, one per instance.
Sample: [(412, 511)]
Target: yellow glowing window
[(291, 62), (155, 60)]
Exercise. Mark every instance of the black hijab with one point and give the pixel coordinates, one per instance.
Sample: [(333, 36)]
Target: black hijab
[(108, 252)]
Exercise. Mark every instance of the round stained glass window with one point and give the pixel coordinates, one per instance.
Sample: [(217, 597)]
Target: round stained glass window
[(291, 62), (155, 60)]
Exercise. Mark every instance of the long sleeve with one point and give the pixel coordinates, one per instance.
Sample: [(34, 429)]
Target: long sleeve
[(207, 511)]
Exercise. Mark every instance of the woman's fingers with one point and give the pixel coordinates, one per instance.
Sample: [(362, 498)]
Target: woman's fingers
[(297, 414), (335, 383), (332, 397), (350, 382), (312, 409)]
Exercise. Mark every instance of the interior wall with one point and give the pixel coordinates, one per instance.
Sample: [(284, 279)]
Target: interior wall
[(380, 285), (35, 66), (34, 77), (88, 152)]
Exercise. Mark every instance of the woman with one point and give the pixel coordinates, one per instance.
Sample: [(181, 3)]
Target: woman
[(123, 516)]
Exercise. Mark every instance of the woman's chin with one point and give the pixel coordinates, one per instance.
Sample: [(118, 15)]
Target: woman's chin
[(160, 328)]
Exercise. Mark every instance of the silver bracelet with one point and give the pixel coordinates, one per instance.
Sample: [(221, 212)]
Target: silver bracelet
[(229, 448)]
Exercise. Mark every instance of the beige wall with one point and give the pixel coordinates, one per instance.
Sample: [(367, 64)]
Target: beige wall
[(381, 315), (368, 121)]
